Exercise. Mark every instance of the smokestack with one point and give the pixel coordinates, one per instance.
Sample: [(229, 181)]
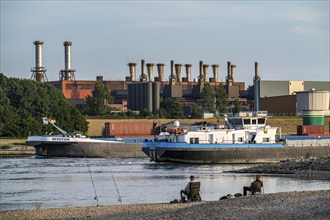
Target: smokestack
[(256, 71), (150, 69), (143, 77), (201, 75), (229, 79), (188, 71), (206, 72), (232, 72), (256, 83), (67, 54), (160, 68), (215, 68), (38, 72), (172, 76), (132, 70), (67, 73), (178, 72)]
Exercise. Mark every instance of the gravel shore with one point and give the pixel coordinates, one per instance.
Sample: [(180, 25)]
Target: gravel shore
[(284, 205), (289, 205)]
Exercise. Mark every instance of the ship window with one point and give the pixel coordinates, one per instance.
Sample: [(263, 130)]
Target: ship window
[(261, 121), (265, 140), (194, 140), (240, 139), (254, 121), (247, 121)]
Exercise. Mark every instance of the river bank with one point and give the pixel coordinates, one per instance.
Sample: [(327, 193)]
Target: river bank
[(289, 205), (15, 147)]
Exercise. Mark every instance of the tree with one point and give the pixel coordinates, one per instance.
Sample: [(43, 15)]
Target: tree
[(221, 97), (208, 96), (170, 108), (97, 104), (237, 106), (24, 102), (195, 111)]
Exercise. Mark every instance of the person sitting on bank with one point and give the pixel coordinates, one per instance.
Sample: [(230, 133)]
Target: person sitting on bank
[(185, 194), (254, 187)]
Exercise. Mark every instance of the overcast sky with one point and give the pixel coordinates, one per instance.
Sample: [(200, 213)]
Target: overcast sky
[(289, 39)]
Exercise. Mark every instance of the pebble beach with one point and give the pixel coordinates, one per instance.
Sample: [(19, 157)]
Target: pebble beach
[(283, 205)]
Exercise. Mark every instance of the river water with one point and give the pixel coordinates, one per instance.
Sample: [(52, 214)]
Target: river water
[(33, 183)]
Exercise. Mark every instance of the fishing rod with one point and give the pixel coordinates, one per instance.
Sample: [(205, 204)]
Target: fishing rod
[(91, 176), (115, 183)]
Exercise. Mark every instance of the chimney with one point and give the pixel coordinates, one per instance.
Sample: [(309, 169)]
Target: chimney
[(143, 77), (229, 80), (215, 68), (256, 83), (206, 72), (188, 71), (150, 69), (38, 72), (178, 72), (160, 68), (201, 75), (232, 72), (256, 71), (172, 76), (67, 73), (132, 70)]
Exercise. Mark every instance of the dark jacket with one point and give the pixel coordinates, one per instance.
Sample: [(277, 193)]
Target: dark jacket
[(256, 186)]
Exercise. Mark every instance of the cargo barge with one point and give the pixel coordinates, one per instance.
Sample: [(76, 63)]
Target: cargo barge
[(77, 145), (245, 139)]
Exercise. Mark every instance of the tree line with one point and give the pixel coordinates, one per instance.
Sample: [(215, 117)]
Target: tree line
[(24, 102)]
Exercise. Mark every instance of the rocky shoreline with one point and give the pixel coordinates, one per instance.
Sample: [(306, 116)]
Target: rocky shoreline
[(284, 205), (314, 168)]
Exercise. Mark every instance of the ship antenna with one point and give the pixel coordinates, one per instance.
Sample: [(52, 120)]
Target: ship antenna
[(114, 181)]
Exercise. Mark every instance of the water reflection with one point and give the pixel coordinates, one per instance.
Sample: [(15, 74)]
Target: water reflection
[(30, 183)]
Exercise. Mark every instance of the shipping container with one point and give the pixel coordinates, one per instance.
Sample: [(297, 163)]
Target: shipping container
[(124, 129), (310, 129)]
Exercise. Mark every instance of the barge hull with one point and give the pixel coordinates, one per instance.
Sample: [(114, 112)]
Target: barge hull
[(85, 149)]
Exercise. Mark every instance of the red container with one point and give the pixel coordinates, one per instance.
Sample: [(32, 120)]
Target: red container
[(310, 129), (124, 129)]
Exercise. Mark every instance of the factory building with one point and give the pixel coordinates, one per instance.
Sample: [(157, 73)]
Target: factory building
[(141, 92)]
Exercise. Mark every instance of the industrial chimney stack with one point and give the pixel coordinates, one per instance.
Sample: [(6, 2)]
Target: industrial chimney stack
[(215, 68), (206, 72), (143, 77), (256, 83), (160, 68), (132, 70), (188, 71), (39, 72), (67, 73), (229, 75), (201, 75), (150, 69), (178, 72), (172, 76)]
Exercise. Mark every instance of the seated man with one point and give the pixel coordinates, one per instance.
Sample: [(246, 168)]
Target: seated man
[(191, 191), (254, 187)]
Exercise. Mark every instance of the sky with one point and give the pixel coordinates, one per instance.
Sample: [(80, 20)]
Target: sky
[(289, 39)]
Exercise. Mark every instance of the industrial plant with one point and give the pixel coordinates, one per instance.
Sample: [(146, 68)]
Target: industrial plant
[(143, 91)]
